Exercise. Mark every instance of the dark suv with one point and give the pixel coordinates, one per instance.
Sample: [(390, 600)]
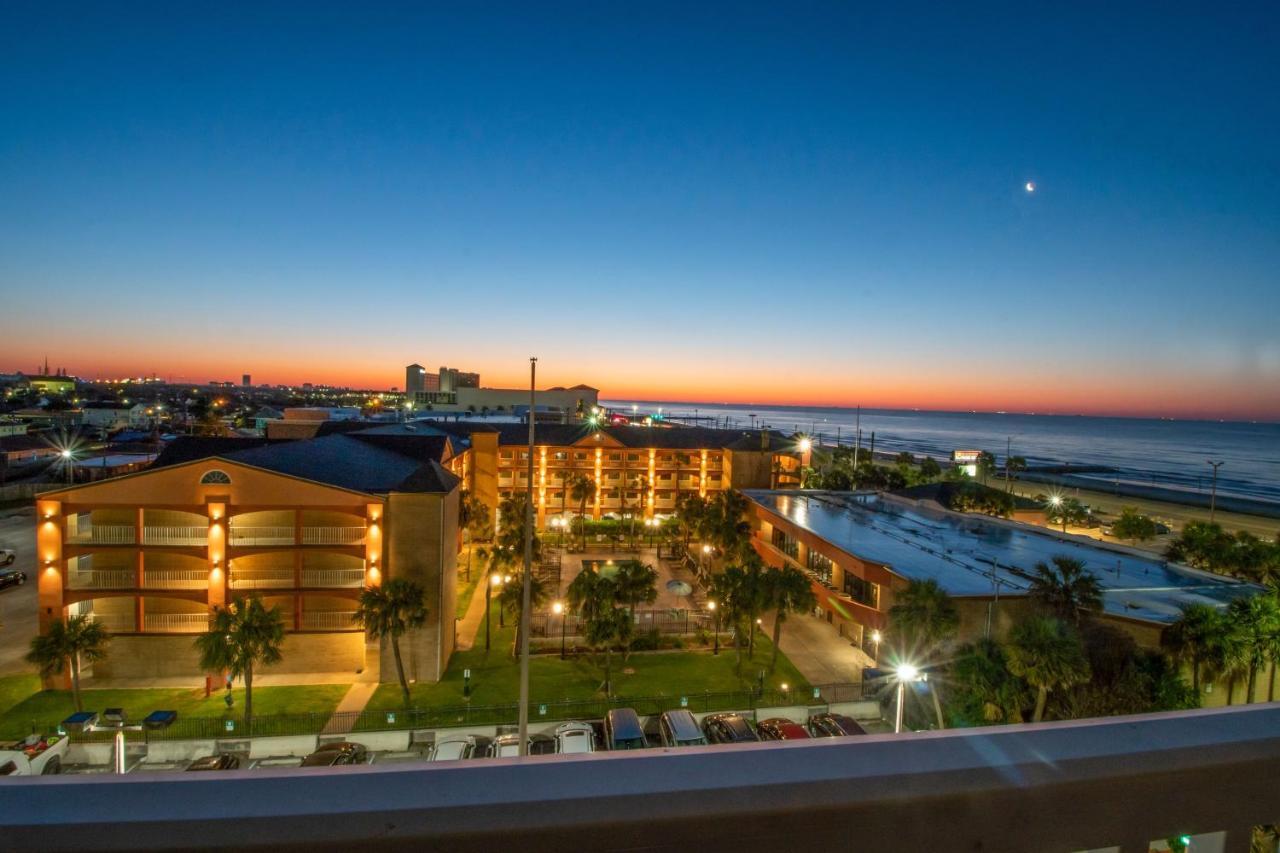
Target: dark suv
[(336, 755), (728, 728), (834, 725)]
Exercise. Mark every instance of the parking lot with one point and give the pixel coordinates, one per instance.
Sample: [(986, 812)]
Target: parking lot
[(18, 603)]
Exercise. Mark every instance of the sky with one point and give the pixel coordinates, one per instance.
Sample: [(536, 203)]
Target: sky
[(770, 203)]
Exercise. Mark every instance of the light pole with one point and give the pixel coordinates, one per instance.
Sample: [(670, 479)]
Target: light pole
[(69, 462), (558, 609), (1213, 495), (493, 581), (706, 555), (711, 605), (904, 673), (876, 637)]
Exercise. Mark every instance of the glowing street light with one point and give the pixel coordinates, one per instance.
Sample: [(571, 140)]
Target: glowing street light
[(711, 605), (876, 637), (805, 445), (904, 673), (557, 607)]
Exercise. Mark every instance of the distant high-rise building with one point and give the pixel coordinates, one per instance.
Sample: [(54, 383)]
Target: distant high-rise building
[(451, 379), (414, 379), (246, 380)]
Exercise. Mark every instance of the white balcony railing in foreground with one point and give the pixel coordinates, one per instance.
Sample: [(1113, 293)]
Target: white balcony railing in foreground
[(175, 623), (261, 536), (116, 623), (103, 534), (102, 579), (261, 578), (1112, 784), (347, 578), (175, 578), (333, 535), (171, 535)]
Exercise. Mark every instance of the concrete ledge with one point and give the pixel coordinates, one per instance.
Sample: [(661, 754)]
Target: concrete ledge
[(1051, 787)]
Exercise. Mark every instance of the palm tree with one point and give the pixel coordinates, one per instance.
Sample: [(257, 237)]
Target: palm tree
[(612, 626), (637, 583), (68, 644), (924, 619), (787, 591), (739, 593), (1257, 620), (691, 512), (1065, 589), (511, 600), (1048, 655), (981, 671), (1192, 637), (389, 612), (581, 489), (242, 636)]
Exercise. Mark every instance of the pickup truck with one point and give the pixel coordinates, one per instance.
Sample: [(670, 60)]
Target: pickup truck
[(36, 755)]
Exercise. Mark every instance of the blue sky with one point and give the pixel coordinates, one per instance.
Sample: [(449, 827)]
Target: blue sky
[(661, 200)]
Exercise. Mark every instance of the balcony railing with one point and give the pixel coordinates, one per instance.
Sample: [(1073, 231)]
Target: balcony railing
[(329, 620), (175, 578), (171, 535), (102, 579), (347, 578), (262, 578), (175, 623), (333, 535), (116, 623), (104, 534), (261, 536)]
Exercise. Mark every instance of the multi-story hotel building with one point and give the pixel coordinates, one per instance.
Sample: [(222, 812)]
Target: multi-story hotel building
[(306, 524)]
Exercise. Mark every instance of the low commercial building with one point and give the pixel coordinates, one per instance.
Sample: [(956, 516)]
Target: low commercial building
[(860, 549), (306, 524)]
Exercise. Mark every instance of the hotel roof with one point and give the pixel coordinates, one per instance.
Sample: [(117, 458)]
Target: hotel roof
[(662, 438), (968, 554)]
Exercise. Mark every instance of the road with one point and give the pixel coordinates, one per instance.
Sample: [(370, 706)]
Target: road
[(18, 603)]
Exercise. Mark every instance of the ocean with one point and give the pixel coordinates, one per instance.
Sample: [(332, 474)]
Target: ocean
[(1159, 453)]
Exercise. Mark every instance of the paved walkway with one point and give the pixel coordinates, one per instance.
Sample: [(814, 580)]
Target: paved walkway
[(473, 622), (818, 651), (194, 682), (353, 703)]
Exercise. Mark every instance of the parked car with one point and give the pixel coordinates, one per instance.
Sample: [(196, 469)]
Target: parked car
[(336, 755), (12, 577), (7, 556), (679, 728), (459, 748), (35, 755), (728, 728), (221, 761), (575, 738), (834, 725), (542, 745), (780, 728), (622, 730)]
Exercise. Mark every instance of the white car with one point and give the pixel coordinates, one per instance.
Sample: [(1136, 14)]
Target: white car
[(33, 756), (7, 557), (575, 739), (456, 749)]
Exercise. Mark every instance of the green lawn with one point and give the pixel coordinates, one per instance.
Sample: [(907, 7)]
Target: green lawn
[(48, 707), (495, 676), (467, 590)]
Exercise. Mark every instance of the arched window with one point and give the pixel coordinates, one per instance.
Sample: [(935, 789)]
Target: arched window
[(215, 478)]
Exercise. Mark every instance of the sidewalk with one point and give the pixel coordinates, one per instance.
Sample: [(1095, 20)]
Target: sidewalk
[(470, 624), (353, 703), (197, 682), (818, 651)]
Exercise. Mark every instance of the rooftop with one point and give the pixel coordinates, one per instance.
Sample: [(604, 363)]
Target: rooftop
[(968, 554)]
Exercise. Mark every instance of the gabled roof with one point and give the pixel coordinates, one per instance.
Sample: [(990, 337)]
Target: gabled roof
[(188, 448)]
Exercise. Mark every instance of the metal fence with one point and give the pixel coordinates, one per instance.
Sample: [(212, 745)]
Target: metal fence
[(278, 725), (680, 621)]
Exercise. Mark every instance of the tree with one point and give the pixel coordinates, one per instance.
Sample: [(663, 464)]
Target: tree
[(985, 689), (739, 591), (1012, 465), (511, 600), (1257, 619), (1065, 511), (241, 637), (787, 591), (69, 644), (986, 465), (726, 527), (581, 489), (389, 612), (637, 583), (1133, 525), (930, 469), (1201, 544), (1048, 655), (923, 620), (612, 626), (474, 517), (905, 458), (1065, 589), (1191, 639)]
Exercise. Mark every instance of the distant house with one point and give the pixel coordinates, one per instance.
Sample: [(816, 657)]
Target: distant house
[(19, 450), (107, 417)]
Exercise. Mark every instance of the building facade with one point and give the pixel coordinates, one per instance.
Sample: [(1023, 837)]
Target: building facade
[(304, 524)]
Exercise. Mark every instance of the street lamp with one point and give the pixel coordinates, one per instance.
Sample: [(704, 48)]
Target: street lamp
[(1213, 496), (876, 637), (494, 580), (557, 608), (706, 555), (904, 673), (711, 605), (67, 460)]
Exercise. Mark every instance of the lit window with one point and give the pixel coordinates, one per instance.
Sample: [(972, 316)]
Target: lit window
[(215, 478)]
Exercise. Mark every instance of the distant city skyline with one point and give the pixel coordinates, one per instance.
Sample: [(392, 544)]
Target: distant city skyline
[(1024, 209)]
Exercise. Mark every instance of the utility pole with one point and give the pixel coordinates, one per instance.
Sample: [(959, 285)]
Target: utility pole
[(528, 571), (1008, 451), (1213, 495)]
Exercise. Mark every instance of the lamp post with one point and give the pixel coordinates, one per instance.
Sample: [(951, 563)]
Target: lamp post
[(706, 555), (69, 461), (876, 637), (558, 609), (493, 581), (905, 672), (711, 605), (1213, 495)]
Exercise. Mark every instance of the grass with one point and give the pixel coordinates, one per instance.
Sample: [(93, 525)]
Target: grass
[(48, 707), (495, 676), (466, 590)]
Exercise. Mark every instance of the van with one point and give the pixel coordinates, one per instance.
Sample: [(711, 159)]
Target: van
[(622, 730), (679, 728)]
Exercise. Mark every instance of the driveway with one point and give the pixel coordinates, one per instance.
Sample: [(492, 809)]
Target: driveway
[(18, 603)]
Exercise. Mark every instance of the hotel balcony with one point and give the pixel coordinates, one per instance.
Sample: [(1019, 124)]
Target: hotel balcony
[(196, 579), (197, 536), (94, 579), (329, 620), (1119, 784), (103, 534), (175, 623), (252, 536)]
